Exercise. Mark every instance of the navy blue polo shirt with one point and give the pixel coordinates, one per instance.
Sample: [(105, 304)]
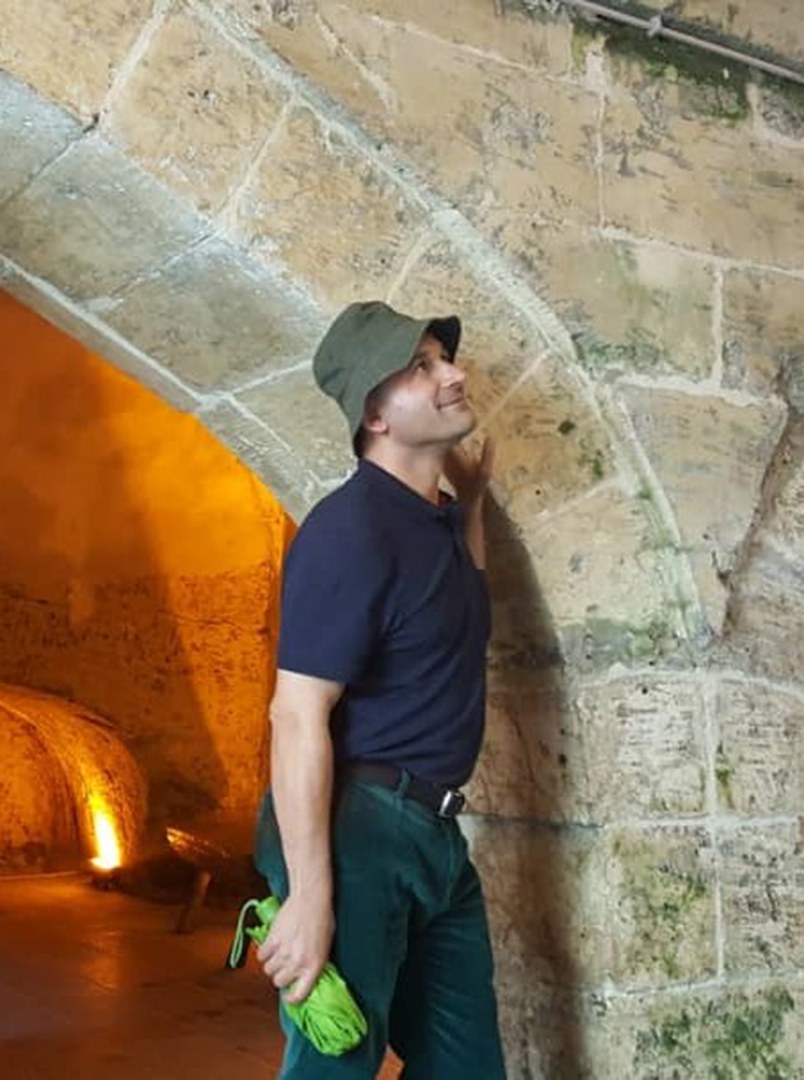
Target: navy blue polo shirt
[(380, 593)]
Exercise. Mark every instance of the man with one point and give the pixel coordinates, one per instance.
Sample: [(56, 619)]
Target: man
[(378, 717)]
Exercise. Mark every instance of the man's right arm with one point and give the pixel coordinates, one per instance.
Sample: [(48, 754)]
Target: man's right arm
[(301, 781)]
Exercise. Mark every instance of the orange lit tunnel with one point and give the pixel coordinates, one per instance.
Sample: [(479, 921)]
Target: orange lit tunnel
[(139, 569)]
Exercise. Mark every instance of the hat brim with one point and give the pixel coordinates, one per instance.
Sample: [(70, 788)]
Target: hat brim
[(448, 332)]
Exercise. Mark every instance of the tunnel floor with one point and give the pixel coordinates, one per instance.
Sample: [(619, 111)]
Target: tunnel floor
[(97, 984)]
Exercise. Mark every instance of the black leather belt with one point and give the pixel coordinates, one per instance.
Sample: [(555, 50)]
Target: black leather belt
[(444, 801)]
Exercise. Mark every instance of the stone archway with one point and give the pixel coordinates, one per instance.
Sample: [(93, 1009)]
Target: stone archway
[(198, 205)]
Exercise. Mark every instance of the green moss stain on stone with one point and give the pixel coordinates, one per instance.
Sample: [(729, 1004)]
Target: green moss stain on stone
[(731, 1038), (724, 774), (664, 900), (584, 38), (711, 86), (599, 642), (781, 106), (596, 353)]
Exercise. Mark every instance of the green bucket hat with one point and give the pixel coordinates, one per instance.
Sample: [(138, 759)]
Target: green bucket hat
[(367, 343)]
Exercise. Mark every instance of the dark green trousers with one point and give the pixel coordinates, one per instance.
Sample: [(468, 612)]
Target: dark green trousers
[(411, 940)]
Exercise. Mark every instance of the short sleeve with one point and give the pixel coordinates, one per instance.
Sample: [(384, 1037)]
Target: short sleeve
[(333, 596)]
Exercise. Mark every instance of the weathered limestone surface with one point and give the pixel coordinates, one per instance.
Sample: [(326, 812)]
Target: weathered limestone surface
[(701, 180), (70, 51), (269, 457), (215, 320), (291, 409), (663, 921), (762, 870), (356, 229), (554, 447), (762, 629), (501, 134), (644, 750), (38, 131), (91, 221), (629, 307), (760, 750), (710, 456), (616, 225), (606, 596), (763, 333), (194, 112), (735, 1033), (298, 30)]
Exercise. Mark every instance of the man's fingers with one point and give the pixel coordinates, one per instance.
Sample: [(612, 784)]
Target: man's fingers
[(301, 988), (266, 950), (486, 464)]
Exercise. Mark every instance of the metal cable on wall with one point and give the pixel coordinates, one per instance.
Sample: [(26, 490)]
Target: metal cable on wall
[(656, 25)]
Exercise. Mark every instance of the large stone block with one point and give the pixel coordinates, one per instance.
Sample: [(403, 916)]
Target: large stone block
[(194, 111), (710, 456), (70, 50), (763, 334), (762, 886), (502, 132), (706, 181), (785, 520), (629, 307), (273, 461), (577, 906), (37, 130), (662, 885), (643, 747), (759, 767), (302, 417), (763, 631), (216, 319), (551, 444), (92, 221), (531, 765), (321, 37), (548, 907), (603, 581), (524, 650), (545, 1031), (729, 1032), (335, 219)]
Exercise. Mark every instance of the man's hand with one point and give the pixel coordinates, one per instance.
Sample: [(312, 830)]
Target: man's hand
[(298, 946), (470, 474)]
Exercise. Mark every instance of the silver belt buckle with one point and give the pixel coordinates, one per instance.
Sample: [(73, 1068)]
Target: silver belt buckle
[(452, 803)]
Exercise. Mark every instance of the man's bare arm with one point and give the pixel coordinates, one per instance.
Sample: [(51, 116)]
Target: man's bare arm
[(301, 781)]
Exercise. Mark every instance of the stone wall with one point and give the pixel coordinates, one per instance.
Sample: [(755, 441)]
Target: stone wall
[(616, 221)]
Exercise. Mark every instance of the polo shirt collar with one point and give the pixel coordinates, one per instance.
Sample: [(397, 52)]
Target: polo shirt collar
[(375, 474)]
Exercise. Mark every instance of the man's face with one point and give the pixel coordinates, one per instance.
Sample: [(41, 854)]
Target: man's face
[(425, 403)]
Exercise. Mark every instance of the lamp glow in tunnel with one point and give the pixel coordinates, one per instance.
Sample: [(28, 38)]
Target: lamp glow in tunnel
[(106, 839)]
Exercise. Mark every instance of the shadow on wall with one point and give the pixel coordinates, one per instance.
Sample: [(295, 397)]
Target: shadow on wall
[(140, 573), (529, 862)]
